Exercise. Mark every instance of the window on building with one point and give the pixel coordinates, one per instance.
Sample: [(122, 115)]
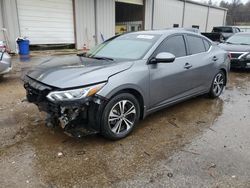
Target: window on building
[(176, 25), (175, 45), (195, 44)]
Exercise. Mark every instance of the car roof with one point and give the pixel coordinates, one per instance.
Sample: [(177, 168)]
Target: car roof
[(166, 32), (228, 26)]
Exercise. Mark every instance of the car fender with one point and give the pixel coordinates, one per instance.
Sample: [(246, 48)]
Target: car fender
[(136, 78)]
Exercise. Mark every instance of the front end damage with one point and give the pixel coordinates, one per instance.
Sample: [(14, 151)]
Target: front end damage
[(77, 117)]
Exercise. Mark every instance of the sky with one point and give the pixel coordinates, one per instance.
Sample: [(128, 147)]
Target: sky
[(218, 1)]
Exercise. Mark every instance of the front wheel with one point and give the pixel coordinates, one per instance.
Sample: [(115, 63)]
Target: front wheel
[(120, 116), (217, 85)]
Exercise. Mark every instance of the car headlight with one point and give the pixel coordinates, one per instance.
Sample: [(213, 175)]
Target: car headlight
[(74, 94)]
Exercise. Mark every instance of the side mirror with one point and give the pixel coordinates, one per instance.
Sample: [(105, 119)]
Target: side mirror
[(163, 57)]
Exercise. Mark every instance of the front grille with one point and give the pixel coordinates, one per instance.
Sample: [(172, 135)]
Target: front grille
[(236, 55)]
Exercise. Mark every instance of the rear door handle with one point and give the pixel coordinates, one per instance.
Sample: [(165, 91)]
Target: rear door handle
[(187, 66), (215, 58)]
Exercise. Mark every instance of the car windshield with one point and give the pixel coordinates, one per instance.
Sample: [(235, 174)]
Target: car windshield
[(239, 39), (223, 29), (129, 46)]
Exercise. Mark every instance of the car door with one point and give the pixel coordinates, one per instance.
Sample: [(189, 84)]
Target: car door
[(202, 62), (170, 81)]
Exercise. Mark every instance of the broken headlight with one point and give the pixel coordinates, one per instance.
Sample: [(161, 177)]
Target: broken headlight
[(74, 94)]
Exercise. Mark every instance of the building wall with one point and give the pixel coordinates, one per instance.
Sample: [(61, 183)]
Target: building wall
[(84, 23), (167, 13), (148, 14), (1, 20), (195, 15), (10, 21), (105, 19), (216, 18), (96, 18)]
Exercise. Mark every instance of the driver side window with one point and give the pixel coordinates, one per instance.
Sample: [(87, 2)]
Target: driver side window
[(175, 45)]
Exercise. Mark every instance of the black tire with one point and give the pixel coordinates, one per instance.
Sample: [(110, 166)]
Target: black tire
[(109, 125), (219, 78)]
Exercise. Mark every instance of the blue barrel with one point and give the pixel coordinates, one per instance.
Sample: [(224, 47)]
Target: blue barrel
[(23, 45)]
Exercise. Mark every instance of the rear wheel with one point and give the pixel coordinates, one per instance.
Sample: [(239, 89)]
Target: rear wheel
[(120, 116), (217, 85)]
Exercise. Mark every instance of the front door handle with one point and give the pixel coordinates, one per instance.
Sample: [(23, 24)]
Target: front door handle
[(187, 66), (215, 58)]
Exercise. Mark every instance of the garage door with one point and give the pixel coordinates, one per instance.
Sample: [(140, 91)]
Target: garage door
[(46, 21), (137, 2)]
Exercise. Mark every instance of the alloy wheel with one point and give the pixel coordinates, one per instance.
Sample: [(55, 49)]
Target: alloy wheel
[(122, 117), (218, 85)]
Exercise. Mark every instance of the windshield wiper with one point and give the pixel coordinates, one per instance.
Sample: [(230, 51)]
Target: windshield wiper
[(229, 42), (82, 54), (95, 57), (244, 44), (102, 58)]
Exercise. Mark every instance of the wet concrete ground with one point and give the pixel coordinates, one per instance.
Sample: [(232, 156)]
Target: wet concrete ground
[(198, 143)]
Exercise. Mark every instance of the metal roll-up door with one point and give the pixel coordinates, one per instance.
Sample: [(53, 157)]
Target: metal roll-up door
[(46, 21)]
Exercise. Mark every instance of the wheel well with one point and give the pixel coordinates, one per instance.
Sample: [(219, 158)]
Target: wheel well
[(137, 95), (225, 73)]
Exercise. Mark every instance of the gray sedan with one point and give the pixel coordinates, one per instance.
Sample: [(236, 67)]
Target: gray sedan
[(125, 79), (5, 63)]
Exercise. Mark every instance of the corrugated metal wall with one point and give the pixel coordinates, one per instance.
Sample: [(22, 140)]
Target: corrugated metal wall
[(105, 19), (195, 15), (1, 20), (215, 18), (167, 13), (10, 21), (85, 23), (148, 14)]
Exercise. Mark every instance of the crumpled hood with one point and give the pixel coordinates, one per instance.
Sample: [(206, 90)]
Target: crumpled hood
[(73, 71), (235, 48)]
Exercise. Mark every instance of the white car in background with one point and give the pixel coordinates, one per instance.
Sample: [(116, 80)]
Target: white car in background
[(5, 62), (5, 59)]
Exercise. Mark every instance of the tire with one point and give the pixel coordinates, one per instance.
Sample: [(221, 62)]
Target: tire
[(218, 85), (115, 123)]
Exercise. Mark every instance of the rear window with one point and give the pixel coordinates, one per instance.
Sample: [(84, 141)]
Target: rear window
[(195, 44), (207, 44)]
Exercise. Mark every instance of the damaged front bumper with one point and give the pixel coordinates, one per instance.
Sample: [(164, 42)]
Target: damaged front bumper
[(76, 117)]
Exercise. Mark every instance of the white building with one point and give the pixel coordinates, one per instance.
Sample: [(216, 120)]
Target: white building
[(88, 22)]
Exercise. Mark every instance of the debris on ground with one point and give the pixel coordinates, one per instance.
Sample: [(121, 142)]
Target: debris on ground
[(173, 123), (59, 154), (212, 165), (192, 152), (211, 129), (82, 152), (147, 153), (170, 175)]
